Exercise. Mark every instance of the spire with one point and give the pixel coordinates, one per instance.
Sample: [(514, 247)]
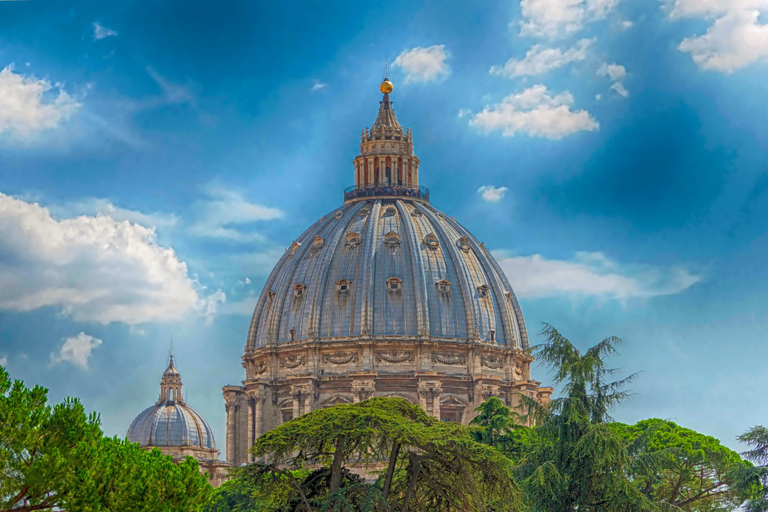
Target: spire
[(170, 384)]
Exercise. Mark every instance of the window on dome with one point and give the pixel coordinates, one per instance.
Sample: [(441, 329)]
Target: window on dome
[(298, 290), (292, 333), (317, 243), (431, 241), (492, 334), (353, 240), (339, 215), (392, 239), (394, 284), (444, 286), (342, 285), (483, 290), (463, 244)]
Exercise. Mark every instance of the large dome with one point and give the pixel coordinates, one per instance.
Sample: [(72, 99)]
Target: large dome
[(384, 296), (387, 267), (170, 422)]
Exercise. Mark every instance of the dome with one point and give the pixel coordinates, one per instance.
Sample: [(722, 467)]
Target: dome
[(171, 422), (387, 267)]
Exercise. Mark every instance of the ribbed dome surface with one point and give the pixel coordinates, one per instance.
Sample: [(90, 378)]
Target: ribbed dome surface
[(171, 424), (336, 282)]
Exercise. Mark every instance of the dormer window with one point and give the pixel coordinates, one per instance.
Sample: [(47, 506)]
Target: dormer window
[(463, 244), (483, 291), (443, 286), (317, 243), (339, 215), (342, 285), (363, 212), (431, 241), (492, 334), (394, 284), (389, 211), (292, 332), (392, 239), (353, 240), (298, 290), (416, 213)]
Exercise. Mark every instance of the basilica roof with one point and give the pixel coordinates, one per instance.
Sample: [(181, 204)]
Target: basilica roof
[(387, 267)]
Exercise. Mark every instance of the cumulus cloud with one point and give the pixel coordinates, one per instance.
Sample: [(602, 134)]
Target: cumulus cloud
[(212, 304), (734, 40), (100, 32), (552, 18), (591, 274), (424, 64), (616, 73), (536, 113), (226, 213), (76, 350), (492, 194), (27, 105), (539, 60), (92, 268)]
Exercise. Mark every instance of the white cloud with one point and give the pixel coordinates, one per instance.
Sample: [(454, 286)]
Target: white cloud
[(220, 216), (172, 93), (492, 194), (3, 360), (627, 24), (100, 32), (616, 73), (95, 206), (591, 274), (424, 64), (318, 85), (26, 105), (552, 18), (539, 60), (736, 38), (94, 269), (76, 350), (212, 304), (619, 88), (535, 113), (464, 112)]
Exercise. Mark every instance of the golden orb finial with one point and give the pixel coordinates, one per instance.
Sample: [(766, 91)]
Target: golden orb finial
[(386, 86)]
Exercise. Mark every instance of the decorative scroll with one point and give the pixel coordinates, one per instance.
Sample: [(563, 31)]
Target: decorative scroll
[(493, 362), (449, 358), (340, 357), (260, 367), (395, 356), (293, 361)]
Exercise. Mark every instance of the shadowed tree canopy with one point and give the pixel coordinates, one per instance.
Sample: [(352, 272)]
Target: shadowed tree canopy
[(55, 457), (425, 464), (757, 439)]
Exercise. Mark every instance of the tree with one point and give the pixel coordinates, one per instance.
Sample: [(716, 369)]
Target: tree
[(756, 479), (578, 462), (495, 422), (55, 457), (430, 465), (681, 468)]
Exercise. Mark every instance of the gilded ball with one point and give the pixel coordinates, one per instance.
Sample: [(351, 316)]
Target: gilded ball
[(386, 87)]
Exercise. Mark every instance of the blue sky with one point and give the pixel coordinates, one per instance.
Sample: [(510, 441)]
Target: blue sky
[(155, 161)]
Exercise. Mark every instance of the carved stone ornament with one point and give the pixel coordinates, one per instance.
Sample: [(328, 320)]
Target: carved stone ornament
[(394, 356), (364, 390), (260, 367), (493, 362), (518, 367), (293, 361), (340, 357), (450, 358), (430, 389)]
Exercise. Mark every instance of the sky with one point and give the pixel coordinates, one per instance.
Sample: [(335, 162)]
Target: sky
[(156, 159)]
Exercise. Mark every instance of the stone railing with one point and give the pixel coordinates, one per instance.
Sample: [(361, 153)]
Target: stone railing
[(383, 191)]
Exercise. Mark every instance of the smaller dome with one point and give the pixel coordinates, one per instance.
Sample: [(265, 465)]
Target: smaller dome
[(386, 87), (171, 422)]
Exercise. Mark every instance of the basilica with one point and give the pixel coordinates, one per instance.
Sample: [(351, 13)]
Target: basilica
[(383, 296)]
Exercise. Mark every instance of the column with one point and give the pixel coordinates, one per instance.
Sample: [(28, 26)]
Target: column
[(229, 407), (436, 391), (249, 404), (369, 165), (296, 395)]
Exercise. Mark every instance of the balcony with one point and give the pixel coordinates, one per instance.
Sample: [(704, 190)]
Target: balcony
[(420, 193)]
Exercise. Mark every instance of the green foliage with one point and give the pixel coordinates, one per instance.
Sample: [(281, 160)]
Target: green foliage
[(683, 469), (756, 479), (55, 457), (430, 465)]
